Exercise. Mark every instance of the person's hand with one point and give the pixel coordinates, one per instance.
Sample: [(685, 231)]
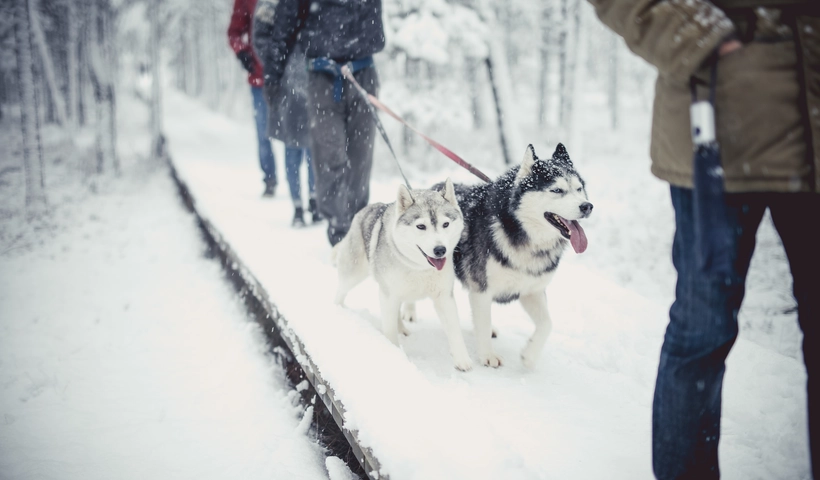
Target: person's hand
[(248, 62), (728, 47)]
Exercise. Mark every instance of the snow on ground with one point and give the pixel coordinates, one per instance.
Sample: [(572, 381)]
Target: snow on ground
[(584, 412), (124, 353)]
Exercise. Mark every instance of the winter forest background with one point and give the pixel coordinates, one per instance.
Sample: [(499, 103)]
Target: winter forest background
[(448, 65)]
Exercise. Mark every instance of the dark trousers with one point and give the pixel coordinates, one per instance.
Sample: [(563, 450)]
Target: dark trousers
[(293, 161), (341, 142), (703, 327), (260, 115)]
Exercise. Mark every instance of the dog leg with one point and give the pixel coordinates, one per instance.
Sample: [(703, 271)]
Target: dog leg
[(351, 263), (346, 283), (408, 314), (448, 313), (536, 307), (390, 317), (480, 305)]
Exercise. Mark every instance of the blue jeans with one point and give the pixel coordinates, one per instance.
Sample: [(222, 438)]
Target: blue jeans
[(293, 160), (260, 114), (703, 327)]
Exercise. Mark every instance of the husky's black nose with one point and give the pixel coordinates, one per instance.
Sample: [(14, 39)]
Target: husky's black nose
[(439, 251), (586, 208)]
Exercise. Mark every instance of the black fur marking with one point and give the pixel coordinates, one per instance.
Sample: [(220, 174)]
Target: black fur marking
[(507, 298), (433, 219), (409, 218), (499, 256), (547, 269), (372, 214)]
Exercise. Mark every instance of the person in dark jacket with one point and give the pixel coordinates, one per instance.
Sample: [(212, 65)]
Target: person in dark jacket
[(239, 35), (341, 128), (288, 123)]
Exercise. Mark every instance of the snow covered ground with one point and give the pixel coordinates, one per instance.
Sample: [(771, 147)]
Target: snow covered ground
[(124, 353), (585, 410), (106, 371)]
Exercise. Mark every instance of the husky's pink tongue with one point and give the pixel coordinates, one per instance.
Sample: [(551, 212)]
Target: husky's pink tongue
[(437, 262), (577, 237)]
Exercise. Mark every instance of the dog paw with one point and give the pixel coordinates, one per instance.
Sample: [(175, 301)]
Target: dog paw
[(495, 333), (464, 364), (408, 313), (492, 360)]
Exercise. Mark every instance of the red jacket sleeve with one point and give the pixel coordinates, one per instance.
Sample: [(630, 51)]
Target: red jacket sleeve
[(239, 31)]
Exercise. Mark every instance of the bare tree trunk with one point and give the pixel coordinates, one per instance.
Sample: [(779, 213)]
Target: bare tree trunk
[(110, 92), (543, 78), (101, 75), (613, 81), (574, 50), (412, 79), (502, 94), (83, 113), (562, 62), (182, 64), (500, 82), (473, 71), (73, 65), (157, 141), (48, 66), (30, 119)]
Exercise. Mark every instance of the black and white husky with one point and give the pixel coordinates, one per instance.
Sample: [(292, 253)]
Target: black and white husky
[(408, 247), (516, 230)]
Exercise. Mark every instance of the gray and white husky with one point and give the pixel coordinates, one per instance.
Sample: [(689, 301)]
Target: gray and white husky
[(516, 230), (408, 247)]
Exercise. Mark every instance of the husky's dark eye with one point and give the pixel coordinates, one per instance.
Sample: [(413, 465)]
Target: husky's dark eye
[(557, 190), (579, 190), (446, 224), (421, 227)]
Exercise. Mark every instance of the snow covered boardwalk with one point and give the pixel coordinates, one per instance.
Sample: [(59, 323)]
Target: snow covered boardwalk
[(125, 354), (584, 412)]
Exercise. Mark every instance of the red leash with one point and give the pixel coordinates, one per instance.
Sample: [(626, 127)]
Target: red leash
[(373, 101)]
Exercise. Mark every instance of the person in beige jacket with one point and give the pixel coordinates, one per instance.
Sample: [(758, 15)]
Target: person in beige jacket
[(767, 116)]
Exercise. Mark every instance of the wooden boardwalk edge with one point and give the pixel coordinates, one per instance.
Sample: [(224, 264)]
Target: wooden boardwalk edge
[(283, 343)]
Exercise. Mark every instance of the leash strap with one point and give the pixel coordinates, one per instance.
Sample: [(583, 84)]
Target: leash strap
[(327, 65), (373, 101)]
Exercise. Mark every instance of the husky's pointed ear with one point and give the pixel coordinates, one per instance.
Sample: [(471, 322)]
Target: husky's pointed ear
[(404, 199), (526, 164), (449, 192), (561, 155)]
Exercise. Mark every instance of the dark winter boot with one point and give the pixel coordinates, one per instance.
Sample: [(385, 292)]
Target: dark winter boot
[(298, 220), (270, 188), (317, 217), (334, 235)]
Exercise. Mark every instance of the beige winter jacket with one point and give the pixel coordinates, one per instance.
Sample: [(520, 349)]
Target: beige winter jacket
[(768, 92)]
